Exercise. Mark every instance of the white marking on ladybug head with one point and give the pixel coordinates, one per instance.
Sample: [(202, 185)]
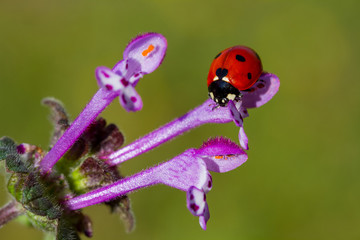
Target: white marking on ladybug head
[(231, 96), (216, 78), (226, 79), (211, 94)]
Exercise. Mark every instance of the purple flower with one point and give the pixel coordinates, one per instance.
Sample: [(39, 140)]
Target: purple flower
[(187, 172), (142, 56), (259, 94)]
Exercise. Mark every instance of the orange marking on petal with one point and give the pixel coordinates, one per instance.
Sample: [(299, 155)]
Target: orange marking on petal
[(148, 50), (219, 157)]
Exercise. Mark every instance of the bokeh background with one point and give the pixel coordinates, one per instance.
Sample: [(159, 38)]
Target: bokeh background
[(302, 177)]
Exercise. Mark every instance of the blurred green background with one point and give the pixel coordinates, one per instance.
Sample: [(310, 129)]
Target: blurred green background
[(302, 177)]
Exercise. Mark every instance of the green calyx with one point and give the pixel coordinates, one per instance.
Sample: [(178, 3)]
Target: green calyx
[(80, 170)]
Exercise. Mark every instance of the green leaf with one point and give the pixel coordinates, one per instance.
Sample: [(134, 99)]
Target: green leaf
[(15, 185), (7, 147), (66, 230), (15, 164), (59, 118), (39, 197)]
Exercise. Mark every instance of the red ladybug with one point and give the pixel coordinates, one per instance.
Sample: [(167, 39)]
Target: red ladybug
[(233, 70)]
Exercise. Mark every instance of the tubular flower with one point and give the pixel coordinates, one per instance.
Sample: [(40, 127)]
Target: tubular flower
[(51, 188), (208, 112), (142, 56), (187, 172)]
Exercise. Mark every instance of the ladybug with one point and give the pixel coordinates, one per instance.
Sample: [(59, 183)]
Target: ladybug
[(233, 70)]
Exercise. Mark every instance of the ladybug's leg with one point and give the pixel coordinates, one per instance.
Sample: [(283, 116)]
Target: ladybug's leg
[(215, 107), (239, 97)]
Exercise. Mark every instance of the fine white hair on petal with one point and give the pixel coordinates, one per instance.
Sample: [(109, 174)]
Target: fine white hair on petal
[(183, 171)]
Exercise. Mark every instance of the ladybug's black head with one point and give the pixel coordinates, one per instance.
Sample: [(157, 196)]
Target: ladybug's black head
[(222, 92)]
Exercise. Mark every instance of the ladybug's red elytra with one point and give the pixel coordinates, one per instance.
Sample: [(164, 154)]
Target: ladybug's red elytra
[(233, 70)]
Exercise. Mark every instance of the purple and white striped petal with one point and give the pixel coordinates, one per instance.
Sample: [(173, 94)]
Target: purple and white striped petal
[(197, 205), (236, 115), (262, 91), (208, 184), (221, 155), (147, 50), (196, 201), (130, 69), (243, 138), (109, 80), (130, 99), (205, 217)]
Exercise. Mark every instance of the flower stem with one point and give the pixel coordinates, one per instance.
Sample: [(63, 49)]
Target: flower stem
[(181, 172), (97, 104), (140, 180), (9, 212), (204, 113)]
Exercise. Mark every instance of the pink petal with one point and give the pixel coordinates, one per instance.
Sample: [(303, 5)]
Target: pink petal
[(107, 79), (130, 99), (205, 217), (236, 115), (262, 91), (148, 50), (130, 69), (195, 201), (243, 139), (221, 155), (208, 184), (183, 171)]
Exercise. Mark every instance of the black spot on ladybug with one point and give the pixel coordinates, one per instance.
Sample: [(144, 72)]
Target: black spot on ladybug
[(240, 58), (221, 72), (217, 55), (249, 76)]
